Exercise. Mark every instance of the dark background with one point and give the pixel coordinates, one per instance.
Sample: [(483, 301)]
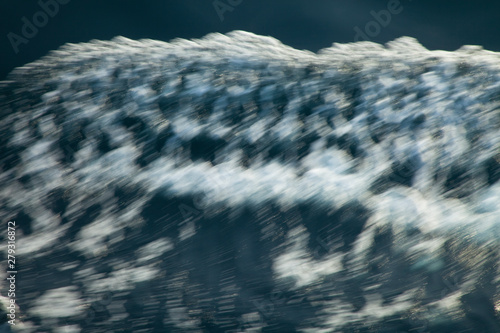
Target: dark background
[(299, 23)]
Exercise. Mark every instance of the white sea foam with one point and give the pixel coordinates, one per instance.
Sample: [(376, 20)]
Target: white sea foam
[(408, 134)]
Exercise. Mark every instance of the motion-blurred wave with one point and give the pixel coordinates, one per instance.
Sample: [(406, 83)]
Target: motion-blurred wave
[(233, 183)]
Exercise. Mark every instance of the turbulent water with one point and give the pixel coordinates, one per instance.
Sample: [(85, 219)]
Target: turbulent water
[(235, 184)]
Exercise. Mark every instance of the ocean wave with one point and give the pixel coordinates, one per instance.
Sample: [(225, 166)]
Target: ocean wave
[(233, 183)]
